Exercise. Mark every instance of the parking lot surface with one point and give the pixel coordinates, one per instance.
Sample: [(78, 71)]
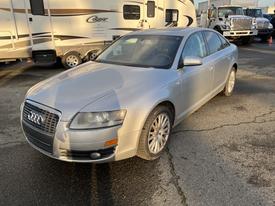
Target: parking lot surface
[(224, 154)]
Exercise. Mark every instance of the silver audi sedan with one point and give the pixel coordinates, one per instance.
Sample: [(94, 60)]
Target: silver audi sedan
[(126, 102)]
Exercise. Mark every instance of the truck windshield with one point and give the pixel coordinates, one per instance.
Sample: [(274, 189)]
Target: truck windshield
[(230, 11), (254, 13), (157, 51)]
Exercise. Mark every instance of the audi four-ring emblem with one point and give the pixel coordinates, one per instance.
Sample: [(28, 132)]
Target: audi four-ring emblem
[(35, 118)]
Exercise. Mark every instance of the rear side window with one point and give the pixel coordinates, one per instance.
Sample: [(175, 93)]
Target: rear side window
[(213, 41), (225, 43), (131, 12), (37, 7), (151, 9), (195, 46)]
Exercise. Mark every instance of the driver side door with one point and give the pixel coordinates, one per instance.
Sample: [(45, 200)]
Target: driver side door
[(196, 81)]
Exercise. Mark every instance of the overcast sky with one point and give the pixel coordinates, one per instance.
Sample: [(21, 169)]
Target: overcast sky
[(262, 3)]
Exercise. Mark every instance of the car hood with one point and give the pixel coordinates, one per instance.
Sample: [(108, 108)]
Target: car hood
[(72, 90), (261, 19)]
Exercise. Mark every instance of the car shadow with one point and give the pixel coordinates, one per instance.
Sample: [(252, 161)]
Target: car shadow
[(34, 179)]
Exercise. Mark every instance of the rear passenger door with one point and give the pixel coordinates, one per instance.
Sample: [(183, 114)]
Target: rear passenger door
[(219, 58)]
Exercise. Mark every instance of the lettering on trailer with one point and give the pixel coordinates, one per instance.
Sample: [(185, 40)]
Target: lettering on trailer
[(96, 19)]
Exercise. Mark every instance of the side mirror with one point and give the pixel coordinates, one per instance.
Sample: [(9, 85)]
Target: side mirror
[(226, 16), (192, 61)]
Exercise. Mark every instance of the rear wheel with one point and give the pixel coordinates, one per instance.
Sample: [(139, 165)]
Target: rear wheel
[(230, 84), (71, 59), (91, 55), (155, 134)]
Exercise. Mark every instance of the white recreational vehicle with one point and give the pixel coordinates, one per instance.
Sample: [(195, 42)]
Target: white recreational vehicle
[(77, 30)]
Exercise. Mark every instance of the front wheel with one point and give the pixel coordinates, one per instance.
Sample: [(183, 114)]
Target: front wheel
[(155, 134), (265, 38), (230, 84)]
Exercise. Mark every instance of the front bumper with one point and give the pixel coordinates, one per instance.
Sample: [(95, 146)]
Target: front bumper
[(240, 33), (73, 145), (92, 146), (265, 32)]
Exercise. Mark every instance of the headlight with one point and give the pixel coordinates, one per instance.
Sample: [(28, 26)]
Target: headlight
[(95, 120), (270, 26), (253, 27), (226, 27)]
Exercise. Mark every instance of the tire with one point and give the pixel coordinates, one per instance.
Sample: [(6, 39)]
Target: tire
[(148, 141), (218, 29), (71, 59), (91, 55), (264, 38), (230, 83)]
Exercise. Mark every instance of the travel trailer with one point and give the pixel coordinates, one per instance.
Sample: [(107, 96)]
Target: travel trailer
[(77, 30)]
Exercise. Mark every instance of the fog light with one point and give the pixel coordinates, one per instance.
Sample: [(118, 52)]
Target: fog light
[(112, 142), (95, 155)]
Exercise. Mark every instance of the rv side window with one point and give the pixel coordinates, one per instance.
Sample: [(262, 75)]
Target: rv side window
[(37, 7), (131, 12), (172, 15), (151, 9)]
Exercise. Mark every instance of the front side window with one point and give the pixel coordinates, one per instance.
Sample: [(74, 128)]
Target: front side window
[(213, 41), (131, 12), (172, 15), (37, 7), (148, 51), (213, 13), (230, 11), (254, 13), (151, 9), (195, 46)]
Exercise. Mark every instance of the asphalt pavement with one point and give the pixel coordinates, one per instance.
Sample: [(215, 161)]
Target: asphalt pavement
[(223, 154)]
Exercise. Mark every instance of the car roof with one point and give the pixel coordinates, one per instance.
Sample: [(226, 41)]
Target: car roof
[(175, 31)]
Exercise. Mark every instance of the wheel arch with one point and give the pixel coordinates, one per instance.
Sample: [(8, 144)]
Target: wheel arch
[(170, 106), (165, 102), (71, 51)]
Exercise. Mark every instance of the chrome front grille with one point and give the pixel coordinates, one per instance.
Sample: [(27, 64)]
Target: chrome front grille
[(241, 24), (47, 122)]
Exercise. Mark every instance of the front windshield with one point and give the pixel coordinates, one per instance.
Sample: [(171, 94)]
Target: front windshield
[(254, 13), (156, 51), (230, 11)]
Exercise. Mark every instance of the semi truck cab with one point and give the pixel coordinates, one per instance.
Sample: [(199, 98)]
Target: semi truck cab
[(232, 23)]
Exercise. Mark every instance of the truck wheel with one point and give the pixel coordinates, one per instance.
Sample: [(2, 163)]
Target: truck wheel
[(246, 40), (71, 59), (218, 29), (155, 133), (264, 38)]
